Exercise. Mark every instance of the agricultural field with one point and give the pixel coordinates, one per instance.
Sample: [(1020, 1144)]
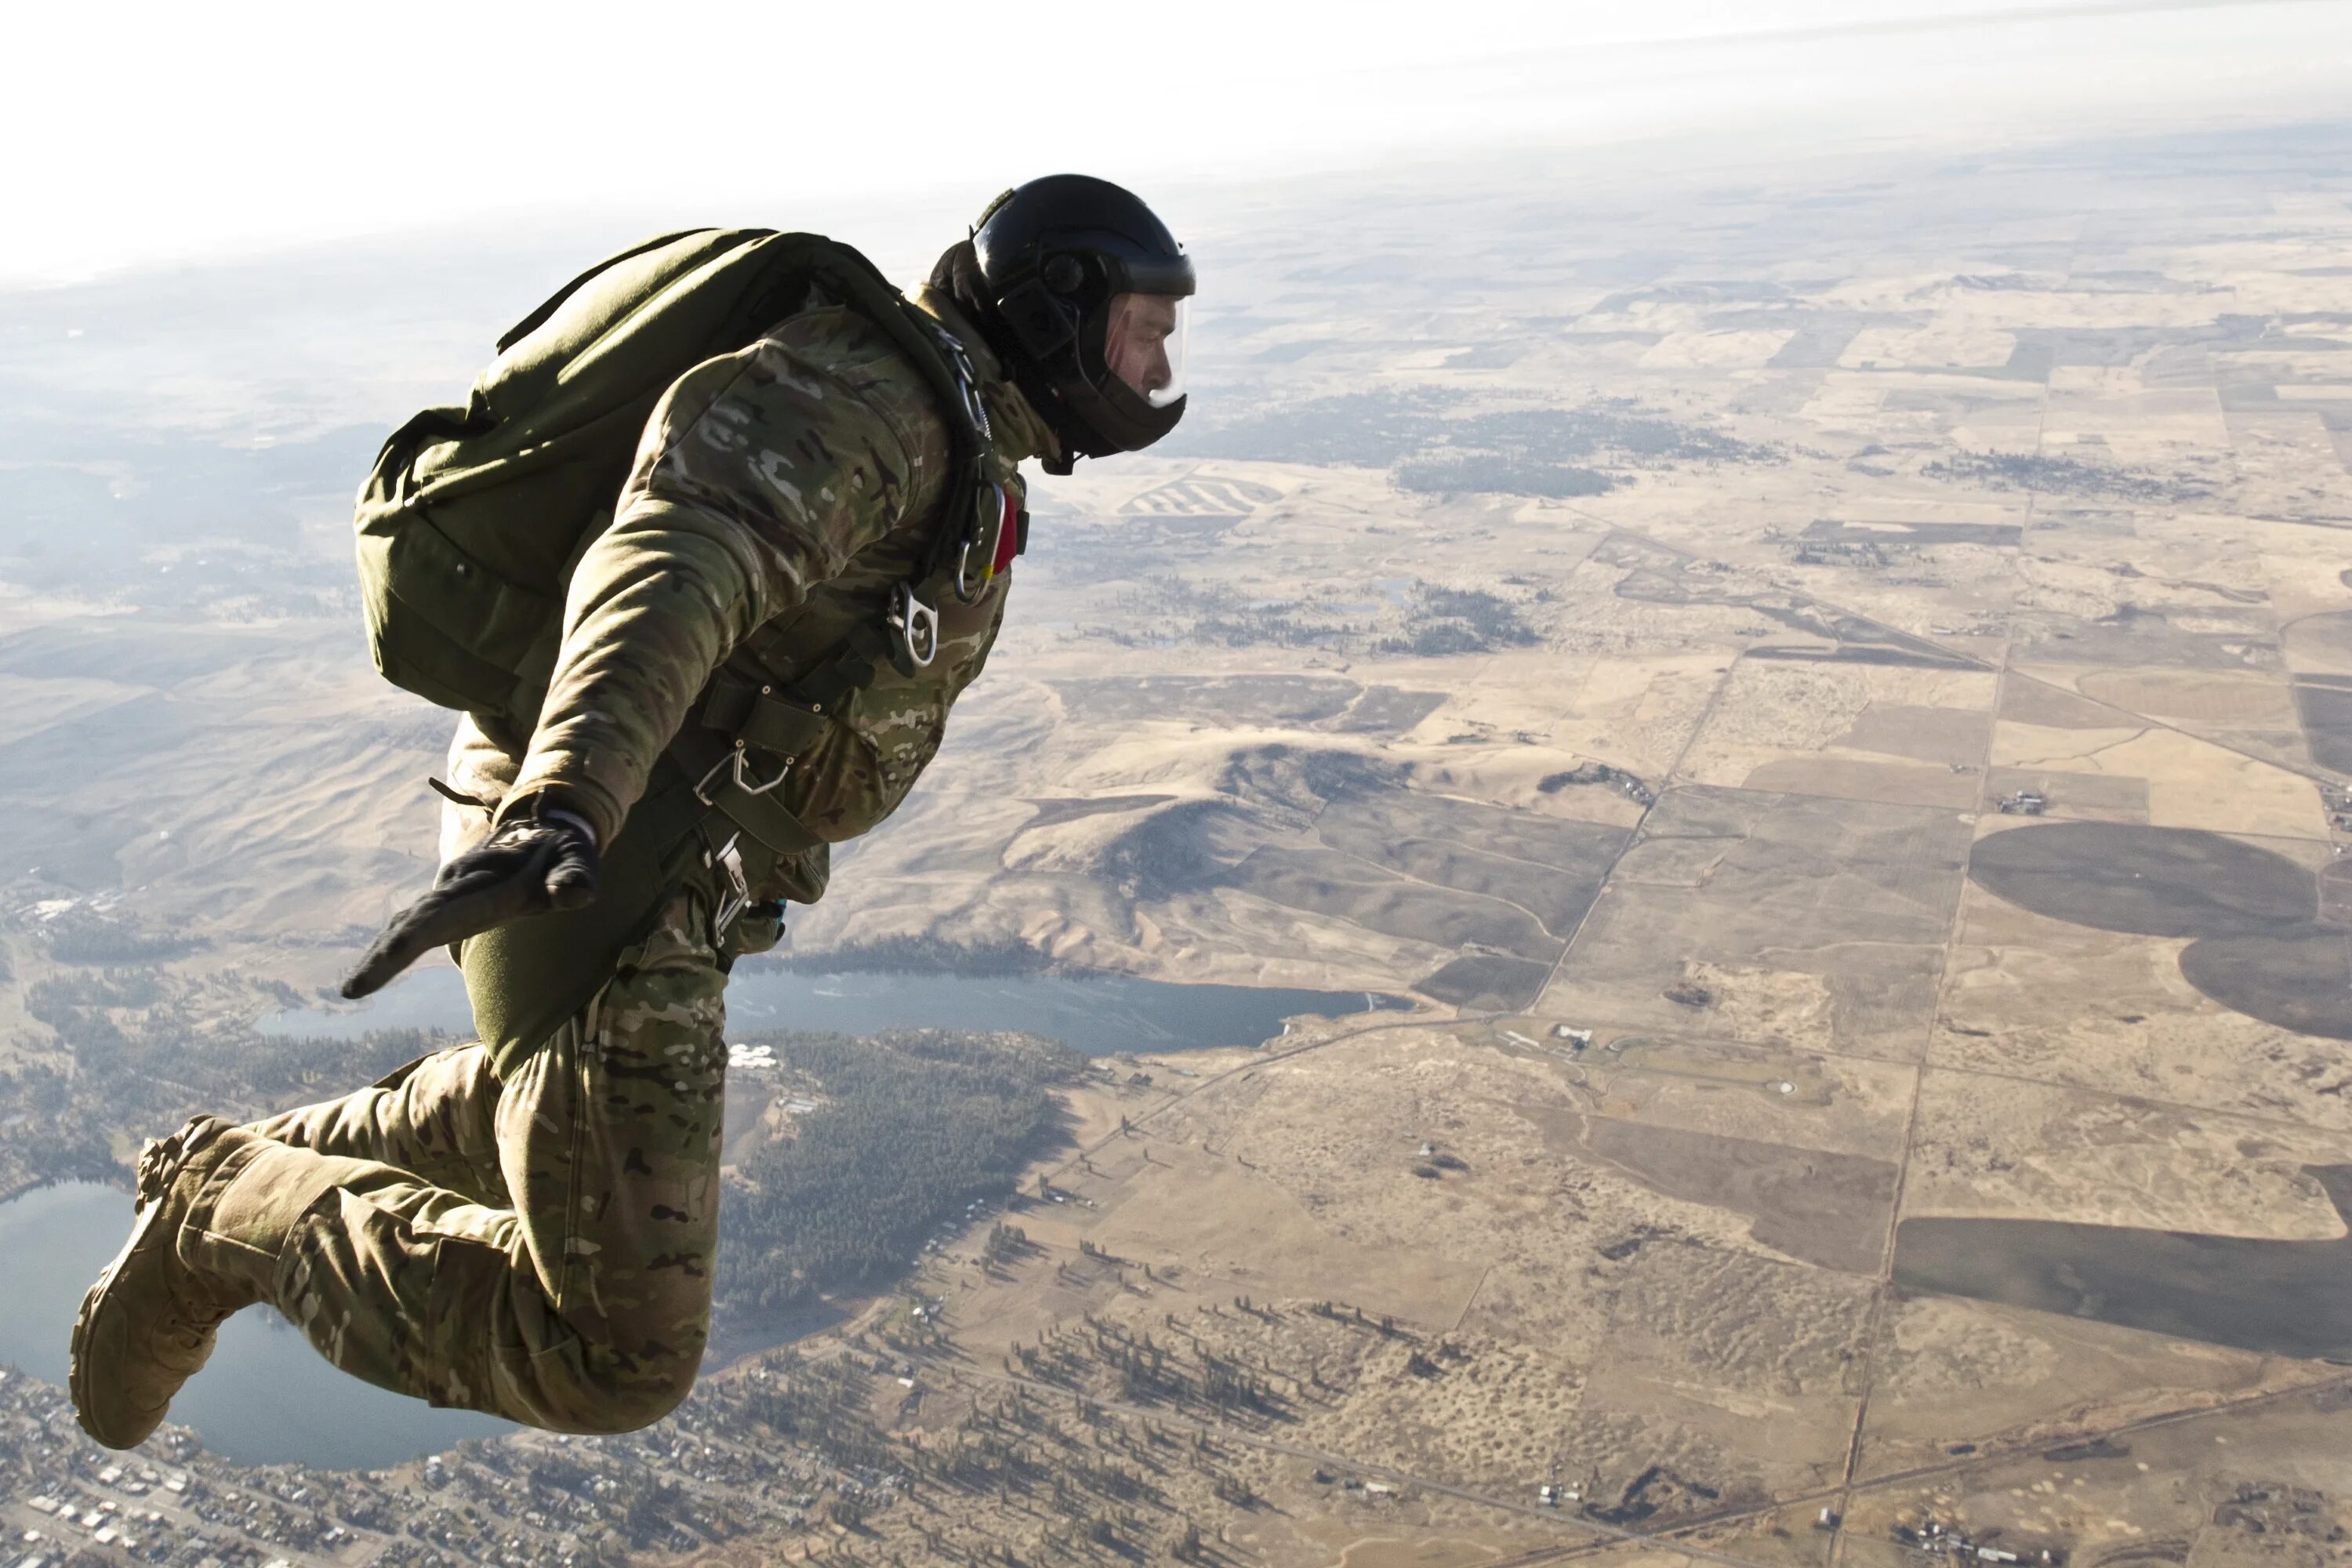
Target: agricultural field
[(1826, 697)]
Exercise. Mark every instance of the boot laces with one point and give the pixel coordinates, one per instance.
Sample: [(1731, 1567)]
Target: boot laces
[(159, 1162), (162, 1159)]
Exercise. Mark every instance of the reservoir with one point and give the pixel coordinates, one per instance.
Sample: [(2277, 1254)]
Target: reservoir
[(266, 1397), (2280, 1298), (1101, 1014)]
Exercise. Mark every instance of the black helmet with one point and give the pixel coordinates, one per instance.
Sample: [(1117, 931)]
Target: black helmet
[(1082, 289)]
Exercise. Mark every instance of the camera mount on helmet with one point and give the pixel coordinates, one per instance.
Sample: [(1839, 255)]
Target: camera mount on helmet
[(1084, 294)]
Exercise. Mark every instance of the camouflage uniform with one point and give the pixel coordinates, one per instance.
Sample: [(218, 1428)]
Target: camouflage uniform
[(526, 1224)]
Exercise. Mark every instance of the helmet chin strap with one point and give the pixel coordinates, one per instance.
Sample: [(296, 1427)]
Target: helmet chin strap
[(1090, 425), (1088, 420)]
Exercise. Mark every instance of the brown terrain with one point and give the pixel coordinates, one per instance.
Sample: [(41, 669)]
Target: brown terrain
[(1833, 696)]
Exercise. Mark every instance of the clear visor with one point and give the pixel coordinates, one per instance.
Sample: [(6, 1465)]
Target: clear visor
[(1143, 343)]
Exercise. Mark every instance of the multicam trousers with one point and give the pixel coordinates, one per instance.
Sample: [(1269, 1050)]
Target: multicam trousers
[(539, 1247)]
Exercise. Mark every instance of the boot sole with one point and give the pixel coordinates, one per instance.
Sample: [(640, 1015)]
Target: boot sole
[(81, 1370)]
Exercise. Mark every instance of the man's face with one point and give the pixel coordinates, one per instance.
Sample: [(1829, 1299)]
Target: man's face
[(1135, 343)]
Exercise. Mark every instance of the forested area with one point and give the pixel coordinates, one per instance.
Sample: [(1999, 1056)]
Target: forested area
[(911, 1128), (143, 1078), (1459, 620)]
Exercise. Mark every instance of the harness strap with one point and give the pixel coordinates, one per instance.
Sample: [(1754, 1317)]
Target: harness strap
[(851, 667), (742, 714), (791, 722), (724, 780), (757, 716), (528, 976)]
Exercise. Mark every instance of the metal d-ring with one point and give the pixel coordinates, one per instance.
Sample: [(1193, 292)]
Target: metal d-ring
[(702, 784), (743, 772), (918, 626), (743, 779)]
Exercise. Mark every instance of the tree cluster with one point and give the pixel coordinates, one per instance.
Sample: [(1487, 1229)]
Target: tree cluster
[(914, 1127)]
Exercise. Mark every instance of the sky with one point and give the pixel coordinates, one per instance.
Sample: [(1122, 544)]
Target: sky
[(141, 134)]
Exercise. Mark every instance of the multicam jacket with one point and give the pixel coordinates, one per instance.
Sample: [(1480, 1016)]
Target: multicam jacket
[(779, 494)]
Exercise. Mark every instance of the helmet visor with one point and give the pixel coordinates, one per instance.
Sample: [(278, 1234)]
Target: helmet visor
[(1143, 344)]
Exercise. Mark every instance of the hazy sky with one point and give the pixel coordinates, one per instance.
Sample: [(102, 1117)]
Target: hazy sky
[(144, 131)]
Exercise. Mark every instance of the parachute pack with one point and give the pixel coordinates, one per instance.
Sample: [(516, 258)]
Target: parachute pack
[(474, 517)]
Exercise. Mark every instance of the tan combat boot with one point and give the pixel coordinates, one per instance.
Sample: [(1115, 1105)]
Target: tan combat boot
[(149, 1323)]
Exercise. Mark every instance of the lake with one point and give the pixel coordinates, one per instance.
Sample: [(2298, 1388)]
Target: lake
[(1101, 1014), (266, 1397)]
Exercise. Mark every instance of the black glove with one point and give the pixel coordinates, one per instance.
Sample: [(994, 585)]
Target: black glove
[(526, 867)]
